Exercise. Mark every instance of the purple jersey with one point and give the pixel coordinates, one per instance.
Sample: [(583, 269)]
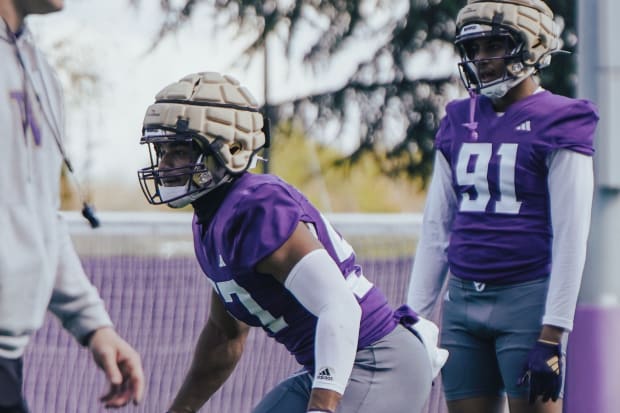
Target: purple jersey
[(502, 229), (259, 213)]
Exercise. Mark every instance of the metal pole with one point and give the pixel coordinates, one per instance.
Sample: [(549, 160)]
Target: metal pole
[(267, 105), (593, 360)]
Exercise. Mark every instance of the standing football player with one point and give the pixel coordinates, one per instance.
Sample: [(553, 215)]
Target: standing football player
[(275, 262), (507, 215)]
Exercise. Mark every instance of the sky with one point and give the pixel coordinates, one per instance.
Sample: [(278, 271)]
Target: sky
[(111, 40)]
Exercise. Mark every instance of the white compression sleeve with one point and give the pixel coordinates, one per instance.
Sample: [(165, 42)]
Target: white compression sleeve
[(317, 283), (571, 186), (430, 264)]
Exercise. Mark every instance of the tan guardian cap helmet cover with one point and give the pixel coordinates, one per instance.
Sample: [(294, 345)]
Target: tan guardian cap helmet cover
[(220, 116), (529, 23)]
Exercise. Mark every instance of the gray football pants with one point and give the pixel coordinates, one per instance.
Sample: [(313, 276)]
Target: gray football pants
[(392, 375), (489, 331)]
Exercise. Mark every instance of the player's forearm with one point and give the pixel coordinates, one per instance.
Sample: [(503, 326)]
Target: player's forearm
[(197, 388), (428, 275), (570, 207), (214, 360), (551, 334), (323, 399), (430, 265)]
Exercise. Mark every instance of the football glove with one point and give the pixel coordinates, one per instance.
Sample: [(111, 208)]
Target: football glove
[(543, 371)]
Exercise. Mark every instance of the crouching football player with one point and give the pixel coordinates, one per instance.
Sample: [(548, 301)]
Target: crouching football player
[(274, 262)]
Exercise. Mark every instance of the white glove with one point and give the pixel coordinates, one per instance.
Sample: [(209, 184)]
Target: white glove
[(429, 333)]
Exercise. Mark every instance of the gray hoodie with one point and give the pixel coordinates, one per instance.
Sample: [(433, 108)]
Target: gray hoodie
[(39, 268)]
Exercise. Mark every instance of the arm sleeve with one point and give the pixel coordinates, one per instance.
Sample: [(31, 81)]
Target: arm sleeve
[(75, 301), (571, 186), (317, 283), (430, 265)]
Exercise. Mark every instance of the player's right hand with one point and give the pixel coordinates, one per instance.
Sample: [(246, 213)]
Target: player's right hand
[(543, 371)]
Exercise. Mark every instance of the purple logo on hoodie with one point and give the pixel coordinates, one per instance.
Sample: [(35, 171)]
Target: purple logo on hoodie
[(28, 120)]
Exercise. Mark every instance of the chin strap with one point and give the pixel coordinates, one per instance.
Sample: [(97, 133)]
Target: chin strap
[(472, 125), (88, 211), (516, 76)]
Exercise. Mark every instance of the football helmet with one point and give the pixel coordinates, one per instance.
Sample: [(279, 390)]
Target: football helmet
[(528, 29), (202, 132)]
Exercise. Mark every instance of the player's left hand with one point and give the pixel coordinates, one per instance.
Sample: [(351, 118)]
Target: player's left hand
[(121, 365), (543, 371)]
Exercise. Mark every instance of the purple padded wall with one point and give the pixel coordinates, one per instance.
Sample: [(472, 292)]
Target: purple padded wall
[(591, 384), (159, 306)]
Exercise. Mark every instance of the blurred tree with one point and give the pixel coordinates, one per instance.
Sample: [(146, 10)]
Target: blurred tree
[(306, 164), (394, 100), (75, 66), (561, 76)]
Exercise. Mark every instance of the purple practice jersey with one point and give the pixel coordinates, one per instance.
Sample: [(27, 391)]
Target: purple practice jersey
[(502, 229), (260, 213)]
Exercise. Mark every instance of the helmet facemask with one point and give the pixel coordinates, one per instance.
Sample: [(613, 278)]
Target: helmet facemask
[(181, 171), (514, 72), (216, 130)]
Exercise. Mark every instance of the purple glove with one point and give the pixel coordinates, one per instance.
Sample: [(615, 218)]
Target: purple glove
[(543, 371)]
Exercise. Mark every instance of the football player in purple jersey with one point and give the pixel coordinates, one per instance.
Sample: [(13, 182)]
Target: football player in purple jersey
[(507, 215), (275, 262)]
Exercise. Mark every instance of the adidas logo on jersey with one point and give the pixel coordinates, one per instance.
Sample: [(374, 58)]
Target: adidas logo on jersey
[(325, 374), (525, 126)]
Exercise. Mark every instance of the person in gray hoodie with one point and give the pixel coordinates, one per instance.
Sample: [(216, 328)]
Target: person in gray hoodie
[(39, 267)]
